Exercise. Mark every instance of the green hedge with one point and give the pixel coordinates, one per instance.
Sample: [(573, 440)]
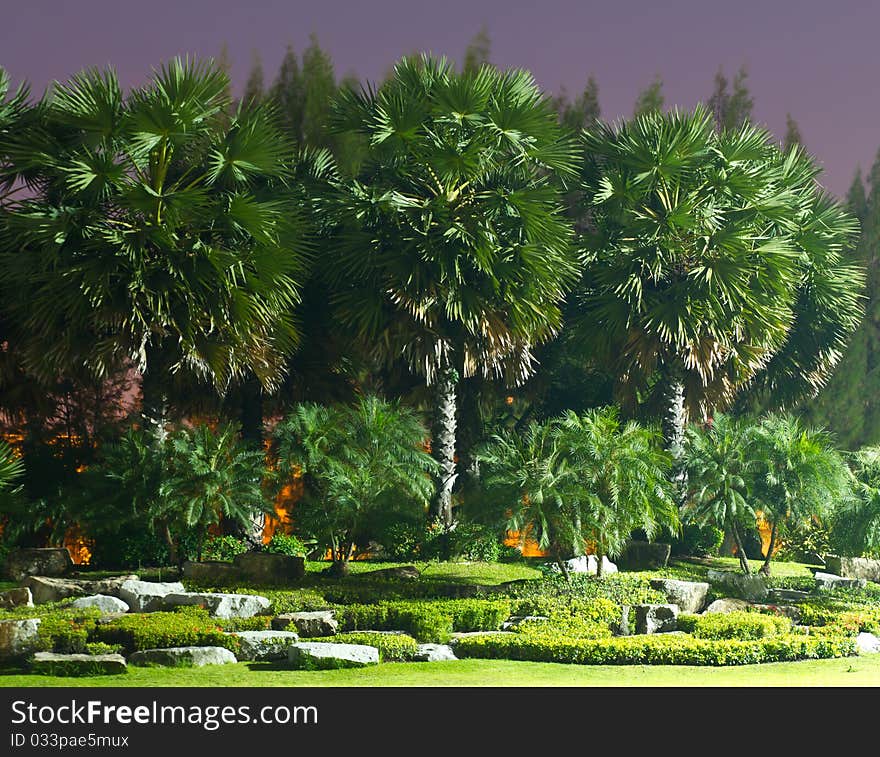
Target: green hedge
[(157, 630), (393, 647), (67, 631), (659, 649), (594, 610), (735, 625), (619, 588), (571, 627)]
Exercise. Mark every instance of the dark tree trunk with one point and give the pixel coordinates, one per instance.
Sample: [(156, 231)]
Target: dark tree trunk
[(173, 554), (765, 568), (470, 429), (253, 433), (740, 551), (443, 441), (673, 423), (154, 405)]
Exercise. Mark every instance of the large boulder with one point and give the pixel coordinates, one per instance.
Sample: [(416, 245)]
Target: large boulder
[(751, 587), (307, 624), (106, 605), (434, 653), (220, 605), (54, 561), (148, 596), (317, 655), (212, 573), (267, 568), (264, 645), (690, 596), (643, 555), (19, 637), (18, 597), (728, 604), (49, 663), (828, 581), (183, 657), (656, 618), (853, 567), (587, 564), (48, 589), (867, 643)]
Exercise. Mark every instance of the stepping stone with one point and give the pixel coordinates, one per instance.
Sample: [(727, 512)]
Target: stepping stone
[(308, 624), (221, 605), (434, 653), (183, 657), (690, 596), (317, 655), (264, 645), (19, 637), (147, 596), (776, 596), (49, 663), (107, 605)]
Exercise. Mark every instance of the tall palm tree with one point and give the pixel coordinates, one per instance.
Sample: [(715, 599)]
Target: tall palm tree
[(711, 260), (451, 250), (159, 229)]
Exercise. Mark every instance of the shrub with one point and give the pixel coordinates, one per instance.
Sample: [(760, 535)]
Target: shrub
[(570, 627), (286, 544), (475, 542), (619, 588), (66, 631), (99, 647), (734, 625), (393, 647), (698, 541), (657, 649), (601, 610), (256, 623), (190, 628), (223, 548)]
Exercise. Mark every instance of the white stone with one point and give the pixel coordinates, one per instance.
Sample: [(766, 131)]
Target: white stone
[(105, 604), (147, 596), (309, 624), (172, 657), (307, 655), (434, 653), (221, 605), (264, 645), (728, 604), (587, 564), (829, 581), (867, 643), (19, 637), (688, 595), (78, 664)]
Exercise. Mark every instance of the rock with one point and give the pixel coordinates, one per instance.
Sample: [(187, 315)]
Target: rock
[(514, 620), (49, 663), (148, 596), (622, 627), (221, 605), (317, 655), (108, 586), (22, 563), (587, 564), (107, 605), (308, 624), (183, 657), (19, 597), (642, 555), (47, 589), (265, 645), (828, 581), (656, 618), (402, 572), (867, 643), (690, 596), (728, 604), (853, 567), (751, 587), (434, 653), (19, 637), (212, 573), (777, 596), (788, 611), (267, 568)]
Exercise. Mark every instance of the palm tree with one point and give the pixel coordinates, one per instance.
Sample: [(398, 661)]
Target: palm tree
[(11, 467), (855, 523), (796, 475), (158, 230), (711, 259), (451, 249), (353, 461), (718, 479)]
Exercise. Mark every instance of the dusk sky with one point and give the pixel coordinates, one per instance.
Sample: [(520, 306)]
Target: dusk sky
[(816, 59)]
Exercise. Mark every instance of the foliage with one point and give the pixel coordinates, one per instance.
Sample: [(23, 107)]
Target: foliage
[(66, 631), (158, 630), (223, 548), (99, 647), (734, 625), (567, 626), (286, 544), (856, 522), (11, 467), (697, 541), (619, 588), (393, 647)]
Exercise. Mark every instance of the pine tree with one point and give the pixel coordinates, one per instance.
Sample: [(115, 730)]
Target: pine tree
[(583, 111), (731, 109), (287, 91), (478, 51), (650, 99), (856, 200), (793, 134), (319, 88), (253, 88)]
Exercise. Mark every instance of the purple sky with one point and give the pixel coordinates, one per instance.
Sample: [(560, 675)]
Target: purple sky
[(814, 58)]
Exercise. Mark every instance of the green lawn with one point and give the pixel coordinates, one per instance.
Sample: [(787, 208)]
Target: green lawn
[(851, 671)]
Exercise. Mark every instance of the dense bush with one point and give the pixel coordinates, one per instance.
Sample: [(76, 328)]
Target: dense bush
[(656, 649), (190, 628), (223, 548), (619, 588), (67, 631), (734, 625), (601, 610), (393, 647), (697, 541), (564, 626), (286, 544)]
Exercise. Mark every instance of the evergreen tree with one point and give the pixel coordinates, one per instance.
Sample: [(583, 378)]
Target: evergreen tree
[(319, 88), (650, 99), (478, 51), (253, 88), (792, 134), (856, 200), (287, 91), (583, 111), (731, 109)]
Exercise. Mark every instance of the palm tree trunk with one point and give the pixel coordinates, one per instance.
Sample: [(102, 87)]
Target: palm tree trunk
[(765, 568), (740, 551), (673, 424), (173, 554), (252, 433), (154, 402), (443, 441)]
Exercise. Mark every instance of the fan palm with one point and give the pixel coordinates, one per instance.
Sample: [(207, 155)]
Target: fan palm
[(796, 475), (159, 229), (451, 250), (711, 260)]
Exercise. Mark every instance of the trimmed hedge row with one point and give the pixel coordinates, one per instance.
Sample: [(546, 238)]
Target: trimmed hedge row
[(157, 630), (393, 647), (660, 649), (735, 625)]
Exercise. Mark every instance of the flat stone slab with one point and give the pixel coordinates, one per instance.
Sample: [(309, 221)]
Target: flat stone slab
[(690, 596), (434, 653), (183, 657), (656, 618), (19, 597), (728, 604), (148, 596), (867, 643), (221, 605), (107, 605), (53, 561), (828, 581), (49, 589), (318, 655), (775, 596), (307, 624), (264, 645), (49, 663), (18, 637)]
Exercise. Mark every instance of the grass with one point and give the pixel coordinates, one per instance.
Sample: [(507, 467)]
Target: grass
[(696, 569), (851, 671), (487, 574)]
